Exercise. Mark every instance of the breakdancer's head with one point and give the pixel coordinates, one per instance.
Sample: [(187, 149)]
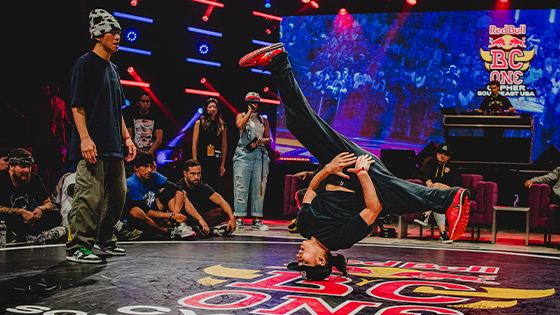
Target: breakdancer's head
[(315, 261)]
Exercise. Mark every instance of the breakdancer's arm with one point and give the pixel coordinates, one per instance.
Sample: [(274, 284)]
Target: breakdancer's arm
[(336, 166), (373, 206)]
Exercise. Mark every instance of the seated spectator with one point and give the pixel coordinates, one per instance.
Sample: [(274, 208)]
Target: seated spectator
[(64, 196), (25, 205), (552, 179), (210, 209), (64, 192), (436, 173), (4, 160), (147, 206)]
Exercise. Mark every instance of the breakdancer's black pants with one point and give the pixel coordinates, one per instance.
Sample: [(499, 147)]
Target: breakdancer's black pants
[(396, 195)]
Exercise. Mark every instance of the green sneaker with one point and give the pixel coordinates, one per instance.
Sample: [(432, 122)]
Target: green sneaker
[(84, 255)]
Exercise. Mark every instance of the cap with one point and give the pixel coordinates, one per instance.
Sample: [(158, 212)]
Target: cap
[(315, 273), (444, 148), (143, 158), (253, 97), (101, 22)]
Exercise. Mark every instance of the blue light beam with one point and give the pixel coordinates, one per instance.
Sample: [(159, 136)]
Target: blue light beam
[(133, 17)]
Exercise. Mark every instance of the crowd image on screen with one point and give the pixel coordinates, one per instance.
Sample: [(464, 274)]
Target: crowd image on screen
[(386, 76)]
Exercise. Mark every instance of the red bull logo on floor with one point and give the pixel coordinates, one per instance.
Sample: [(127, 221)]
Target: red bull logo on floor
[(380, 287), (506, 60)]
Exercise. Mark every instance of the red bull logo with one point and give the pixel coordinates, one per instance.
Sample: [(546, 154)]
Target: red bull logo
[(507, 60), (380, 287), (507, 42)]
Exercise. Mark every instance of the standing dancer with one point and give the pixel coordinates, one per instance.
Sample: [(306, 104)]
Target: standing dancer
[(97, 98), (333, 216)]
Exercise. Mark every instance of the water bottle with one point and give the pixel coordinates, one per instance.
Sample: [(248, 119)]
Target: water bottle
[(3, 231), (516, 201)]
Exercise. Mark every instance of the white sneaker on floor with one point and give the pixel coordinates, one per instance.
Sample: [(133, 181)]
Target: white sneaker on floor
[(444, 238), (220, 230), (183, 231), (53, 234), (259, 226), (113, 250), (239, 224), (84, 255)]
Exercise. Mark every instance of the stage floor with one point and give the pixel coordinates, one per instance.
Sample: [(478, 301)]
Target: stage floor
[(246, 274)]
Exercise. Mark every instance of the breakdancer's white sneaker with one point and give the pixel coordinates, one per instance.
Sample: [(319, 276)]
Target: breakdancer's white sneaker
[(458, 214)]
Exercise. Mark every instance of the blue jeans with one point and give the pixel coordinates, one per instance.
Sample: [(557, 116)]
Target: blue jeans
[(250, 172), (396, 195)]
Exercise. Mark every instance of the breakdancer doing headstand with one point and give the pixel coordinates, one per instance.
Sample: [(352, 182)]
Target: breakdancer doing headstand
[(342, 202)]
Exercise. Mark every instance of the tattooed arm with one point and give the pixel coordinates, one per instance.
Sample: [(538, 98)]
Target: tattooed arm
[(27, 215)]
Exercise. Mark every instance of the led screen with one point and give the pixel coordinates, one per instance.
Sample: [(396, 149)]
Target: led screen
[(382, 79)]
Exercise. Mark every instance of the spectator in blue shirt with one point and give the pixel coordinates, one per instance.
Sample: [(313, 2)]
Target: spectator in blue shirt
[(145, 205)]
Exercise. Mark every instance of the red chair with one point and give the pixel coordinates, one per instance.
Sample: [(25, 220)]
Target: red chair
[(543, 214), (292, 184), (484, 196)]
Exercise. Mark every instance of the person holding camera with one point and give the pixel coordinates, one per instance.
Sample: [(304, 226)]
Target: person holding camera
[(250, 162)]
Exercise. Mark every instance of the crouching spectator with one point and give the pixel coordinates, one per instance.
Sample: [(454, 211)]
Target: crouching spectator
[(148, 207), (25, 205), (206, 209), (65, 196)]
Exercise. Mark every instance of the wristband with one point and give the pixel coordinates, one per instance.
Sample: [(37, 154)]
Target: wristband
[(361, 169), (127, 137), (40, 208), (171, 215)]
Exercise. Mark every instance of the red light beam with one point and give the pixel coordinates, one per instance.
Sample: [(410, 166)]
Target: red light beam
[(268, 16), (154, 98), (267, 90), (202, 92), (267, 101), (135, 83), (207, 14), (210, 3), (211, 88)]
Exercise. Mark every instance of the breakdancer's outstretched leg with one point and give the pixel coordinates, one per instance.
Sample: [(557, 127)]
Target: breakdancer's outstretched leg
[(333, 217)]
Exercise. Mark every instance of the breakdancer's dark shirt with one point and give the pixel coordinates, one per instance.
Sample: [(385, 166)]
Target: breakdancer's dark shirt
[(333, 217)]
